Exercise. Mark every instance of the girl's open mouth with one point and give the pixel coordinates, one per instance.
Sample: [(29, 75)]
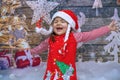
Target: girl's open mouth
[(59, 29)]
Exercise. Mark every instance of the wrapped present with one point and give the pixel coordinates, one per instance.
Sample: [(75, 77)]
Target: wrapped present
[(4, 62), (3, 52), (24, 58), (36, 60), (21, 59)]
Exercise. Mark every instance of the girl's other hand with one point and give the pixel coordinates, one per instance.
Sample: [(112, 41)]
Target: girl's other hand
[(113, 26)]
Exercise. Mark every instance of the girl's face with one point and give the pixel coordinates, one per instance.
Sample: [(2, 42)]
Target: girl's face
[(59, 26)]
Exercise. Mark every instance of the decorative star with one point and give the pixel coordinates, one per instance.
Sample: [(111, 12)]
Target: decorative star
[(41, 8)]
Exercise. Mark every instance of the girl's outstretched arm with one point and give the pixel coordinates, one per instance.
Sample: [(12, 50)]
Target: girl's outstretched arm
[(91, 35), (43, 46)]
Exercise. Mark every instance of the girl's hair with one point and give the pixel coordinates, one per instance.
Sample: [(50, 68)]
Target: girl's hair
[(52, 37), (52, 34)]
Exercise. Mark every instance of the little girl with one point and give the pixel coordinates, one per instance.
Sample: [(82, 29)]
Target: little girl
[(61, 45)]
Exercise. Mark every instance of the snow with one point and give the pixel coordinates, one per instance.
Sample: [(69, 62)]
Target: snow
[(98, 71), (85, 71)]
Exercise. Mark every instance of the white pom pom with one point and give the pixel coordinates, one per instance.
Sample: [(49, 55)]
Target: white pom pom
[(38, 30), (44, 31)]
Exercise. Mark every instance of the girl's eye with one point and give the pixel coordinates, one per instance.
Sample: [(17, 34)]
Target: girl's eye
[(55, 21), (59, 20), (63, 21)]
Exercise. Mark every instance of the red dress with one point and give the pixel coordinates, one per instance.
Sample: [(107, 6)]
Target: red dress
[(68, 57)]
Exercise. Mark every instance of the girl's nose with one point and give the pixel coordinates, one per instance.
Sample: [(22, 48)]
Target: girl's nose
[(58, 23)]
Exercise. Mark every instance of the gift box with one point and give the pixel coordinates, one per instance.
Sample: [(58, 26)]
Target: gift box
[(36, 60), (4, 62), (24, 59), (21, 59)]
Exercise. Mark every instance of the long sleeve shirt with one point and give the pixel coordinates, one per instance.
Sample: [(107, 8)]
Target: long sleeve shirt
[(79, 36)]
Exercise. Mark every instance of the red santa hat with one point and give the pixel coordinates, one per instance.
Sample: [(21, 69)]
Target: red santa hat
[(71, 18), (68, 16)]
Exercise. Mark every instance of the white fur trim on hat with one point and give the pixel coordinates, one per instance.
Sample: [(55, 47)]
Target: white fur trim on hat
[(66, 17)]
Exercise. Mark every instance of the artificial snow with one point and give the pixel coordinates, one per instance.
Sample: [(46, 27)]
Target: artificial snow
[(88, 70)]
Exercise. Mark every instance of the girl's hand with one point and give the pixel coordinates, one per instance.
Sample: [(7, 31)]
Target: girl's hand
[(38, 23), (113, 26)]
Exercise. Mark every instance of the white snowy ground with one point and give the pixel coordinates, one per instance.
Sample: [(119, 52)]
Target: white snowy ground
[(85, 71)]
